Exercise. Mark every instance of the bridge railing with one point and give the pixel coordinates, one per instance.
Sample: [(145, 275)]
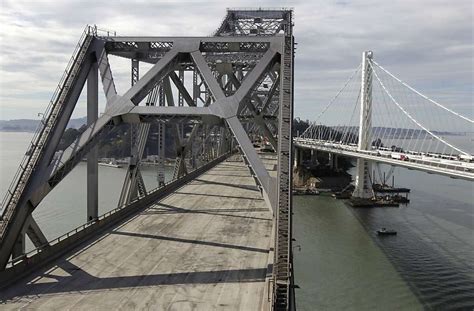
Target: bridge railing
[(23, 257), (405, 158)]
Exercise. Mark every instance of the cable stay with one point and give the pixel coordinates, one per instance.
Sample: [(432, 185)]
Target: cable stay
[(333, 100), (422, 95), (410, 117)]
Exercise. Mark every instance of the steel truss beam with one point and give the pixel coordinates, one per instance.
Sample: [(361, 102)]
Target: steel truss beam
[(270, 23), (17, 207), (227, 72), (133, 184)]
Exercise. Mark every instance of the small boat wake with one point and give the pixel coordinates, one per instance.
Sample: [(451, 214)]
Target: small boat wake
[(384, 231)]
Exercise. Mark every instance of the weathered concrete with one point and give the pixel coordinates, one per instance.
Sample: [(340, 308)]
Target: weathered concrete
[(204, 247)]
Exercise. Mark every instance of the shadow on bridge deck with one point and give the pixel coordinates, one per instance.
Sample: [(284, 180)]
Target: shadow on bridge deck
[(206, 246)]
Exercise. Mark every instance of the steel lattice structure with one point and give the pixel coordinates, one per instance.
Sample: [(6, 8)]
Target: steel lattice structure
[(242, 84)]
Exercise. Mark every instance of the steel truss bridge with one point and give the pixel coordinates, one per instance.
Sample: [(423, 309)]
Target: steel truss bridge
[(214, 96), (382, 119), (208, 93)]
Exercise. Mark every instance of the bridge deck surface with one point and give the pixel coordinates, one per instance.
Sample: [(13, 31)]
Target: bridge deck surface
[(204, 247)]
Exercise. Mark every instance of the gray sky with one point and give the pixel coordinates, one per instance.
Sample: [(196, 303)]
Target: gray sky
[(428, 44)]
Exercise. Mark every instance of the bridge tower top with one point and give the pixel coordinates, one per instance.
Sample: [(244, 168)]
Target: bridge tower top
[(365, 121), (256, 22)]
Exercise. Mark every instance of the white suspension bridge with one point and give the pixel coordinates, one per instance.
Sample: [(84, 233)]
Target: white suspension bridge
[(384, 120)]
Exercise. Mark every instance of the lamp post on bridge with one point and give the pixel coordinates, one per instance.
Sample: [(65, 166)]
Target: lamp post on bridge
[(363, 185)]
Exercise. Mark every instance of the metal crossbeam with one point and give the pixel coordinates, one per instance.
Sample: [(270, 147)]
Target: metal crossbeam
[(228, 71)]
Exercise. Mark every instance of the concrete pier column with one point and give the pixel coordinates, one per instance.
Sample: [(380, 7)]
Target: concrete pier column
[(363, 185), (92, 165), (314, 156), (331, 160), (298, 159)]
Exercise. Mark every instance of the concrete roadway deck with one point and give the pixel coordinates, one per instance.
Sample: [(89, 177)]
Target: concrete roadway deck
[(204, 247)]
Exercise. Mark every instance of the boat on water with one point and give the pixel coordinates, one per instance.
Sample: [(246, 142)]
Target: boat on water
[(384, 231), (305, 192), (400, 199), (110, 164), (342, 195)]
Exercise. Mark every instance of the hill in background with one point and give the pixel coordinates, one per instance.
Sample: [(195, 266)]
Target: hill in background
[(29, 125)]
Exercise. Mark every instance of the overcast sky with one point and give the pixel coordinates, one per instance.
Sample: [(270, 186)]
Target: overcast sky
[(428, 44)]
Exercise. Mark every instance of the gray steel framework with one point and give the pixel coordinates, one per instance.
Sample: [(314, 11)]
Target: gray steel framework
[(242, 84)]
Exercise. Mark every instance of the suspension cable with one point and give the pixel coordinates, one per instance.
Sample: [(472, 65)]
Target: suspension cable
[(425, 97), (410, 117), (335, 97)]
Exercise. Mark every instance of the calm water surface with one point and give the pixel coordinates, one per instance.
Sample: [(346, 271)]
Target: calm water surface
[(342, 264), (65, 207)]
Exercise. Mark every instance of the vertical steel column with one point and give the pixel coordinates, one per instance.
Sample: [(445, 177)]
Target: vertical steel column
[(133, 182), (134, 76), (161, 141), (134, 136), (196, 89), (283, 294), (181, 102), (135, 73), (92, 165), (363, 187)]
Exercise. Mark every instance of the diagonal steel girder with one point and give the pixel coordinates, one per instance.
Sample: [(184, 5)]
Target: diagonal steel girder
[(108, 83), (119, 106), (257, 117), (53, 169), (133, 184), (180, 165), (19, 206), (228, 107), (47, 176)]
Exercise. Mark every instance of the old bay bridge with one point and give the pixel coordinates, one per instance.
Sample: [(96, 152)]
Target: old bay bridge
[(219, 234)]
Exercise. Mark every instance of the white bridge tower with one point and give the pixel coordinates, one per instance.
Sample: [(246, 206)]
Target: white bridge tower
[(363, 184)]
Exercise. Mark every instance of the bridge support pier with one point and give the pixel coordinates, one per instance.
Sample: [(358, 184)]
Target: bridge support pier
[(298, 158), (314, 157), (333, 161), (363, 184)]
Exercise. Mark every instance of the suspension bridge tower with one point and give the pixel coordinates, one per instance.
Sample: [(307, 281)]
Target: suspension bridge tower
[(363, 184)]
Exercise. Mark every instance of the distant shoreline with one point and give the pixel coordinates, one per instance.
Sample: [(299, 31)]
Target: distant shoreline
[(16, 131), (31, 125)]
